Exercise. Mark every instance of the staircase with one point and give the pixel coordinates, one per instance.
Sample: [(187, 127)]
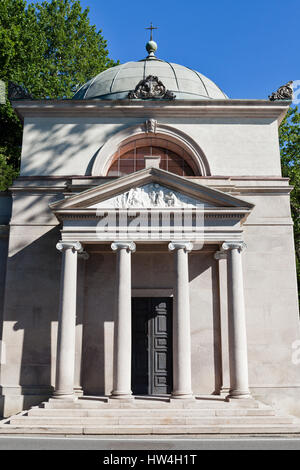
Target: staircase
[(144, 416)]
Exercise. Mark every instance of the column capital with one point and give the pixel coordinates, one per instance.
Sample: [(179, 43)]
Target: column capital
[(75, 246), (177, 245), (221, 254), (128, 246), (235, 245)]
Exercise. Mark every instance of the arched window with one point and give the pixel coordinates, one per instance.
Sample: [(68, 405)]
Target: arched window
[(130, 156)]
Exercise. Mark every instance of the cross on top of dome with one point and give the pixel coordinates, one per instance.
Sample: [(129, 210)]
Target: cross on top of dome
[(151, 28), (151, 45)]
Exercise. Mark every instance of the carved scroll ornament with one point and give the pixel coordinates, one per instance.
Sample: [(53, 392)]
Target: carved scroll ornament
[(285, 92), (151, 88)]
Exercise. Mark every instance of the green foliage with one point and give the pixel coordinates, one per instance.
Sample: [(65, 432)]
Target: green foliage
[(7, 173), (49, 48), (289, 139)]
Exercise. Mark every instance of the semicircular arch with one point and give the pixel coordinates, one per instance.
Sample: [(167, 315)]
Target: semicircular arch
[(107, 153)]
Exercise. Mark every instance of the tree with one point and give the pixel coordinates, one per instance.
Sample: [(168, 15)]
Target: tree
[(289, 139), (50, 49)]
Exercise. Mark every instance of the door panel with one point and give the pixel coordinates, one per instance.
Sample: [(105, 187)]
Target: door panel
[(151, 345), (140, 346)]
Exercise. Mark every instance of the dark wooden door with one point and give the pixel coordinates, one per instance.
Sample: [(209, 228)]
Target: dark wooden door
[(151, 345)]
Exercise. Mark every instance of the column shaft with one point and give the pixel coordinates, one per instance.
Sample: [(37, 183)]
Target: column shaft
[(65, 361), (122, 326), (182, 383), (82, 259), (239, 387)]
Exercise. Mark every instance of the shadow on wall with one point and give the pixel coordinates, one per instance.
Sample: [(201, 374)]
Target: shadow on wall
[(31, 305), (63, 143), (97, 340)]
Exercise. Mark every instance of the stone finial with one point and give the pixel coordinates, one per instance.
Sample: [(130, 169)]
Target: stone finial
[(17, 92), (285, 92), (151, 45)]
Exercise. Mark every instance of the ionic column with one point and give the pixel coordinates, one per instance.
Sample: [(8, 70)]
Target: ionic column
[(82, 258), (238, 360), (122, 326), (219, 337), (182, 381), (221, 257), (65, 359)]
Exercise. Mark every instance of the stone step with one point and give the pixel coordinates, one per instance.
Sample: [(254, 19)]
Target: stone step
[(150, 420), (44, 412), (144, 404), (153, 429)]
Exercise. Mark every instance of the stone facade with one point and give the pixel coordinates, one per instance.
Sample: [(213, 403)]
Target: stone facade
[(239, 305)]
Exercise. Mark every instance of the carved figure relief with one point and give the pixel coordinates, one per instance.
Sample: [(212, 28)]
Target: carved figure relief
[(151, 195), (149, 88)]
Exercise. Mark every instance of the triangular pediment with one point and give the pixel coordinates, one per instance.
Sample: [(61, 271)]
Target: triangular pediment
[(150, 188)]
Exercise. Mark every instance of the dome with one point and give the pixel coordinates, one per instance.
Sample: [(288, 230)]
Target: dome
[(115, 83)]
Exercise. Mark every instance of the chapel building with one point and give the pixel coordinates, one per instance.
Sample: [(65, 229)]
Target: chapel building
[(147, 248)]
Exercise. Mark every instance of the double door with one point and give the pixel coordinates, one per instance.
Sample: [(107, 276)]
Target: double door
[(151, 345)]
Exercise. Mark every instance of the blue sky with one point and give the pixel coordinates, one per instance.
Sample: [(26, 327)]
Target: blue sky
[(249, 48)]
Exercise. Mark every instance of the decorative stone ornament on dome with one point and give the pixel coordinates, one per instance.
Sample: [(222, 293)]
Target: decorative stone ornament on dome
[(151, 88), (285, 92)]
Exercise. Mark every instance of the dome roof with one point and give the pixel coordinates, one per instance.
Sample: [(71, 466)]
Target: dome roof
[(115, 83)]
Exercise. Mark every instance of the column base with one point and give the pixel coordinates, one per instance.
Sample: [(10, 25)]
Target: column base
[(121, 396), (182, 396), (238, 395), (224, 392), (63, 397), (78, 391)]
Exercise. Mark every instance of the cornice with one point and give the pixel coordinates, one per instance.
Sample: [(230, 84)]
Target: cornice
[(217, 212), (127, 108), (67, 186), (142, 177)]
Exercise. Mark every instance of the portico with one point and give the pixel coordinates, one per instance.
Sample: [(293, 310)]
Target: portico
[(214, 219)]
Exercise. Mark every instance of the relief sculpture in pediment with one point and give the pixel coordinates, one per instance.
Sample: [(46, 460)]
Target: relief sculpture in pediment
[(151, 196)]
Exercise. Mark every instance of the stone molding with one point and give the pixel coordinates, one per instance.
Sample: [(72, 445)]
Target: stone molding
[(120, 245), (75, 246), (180, 108), (177, 245), (106, 153), (234, 245), (151, 175)]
